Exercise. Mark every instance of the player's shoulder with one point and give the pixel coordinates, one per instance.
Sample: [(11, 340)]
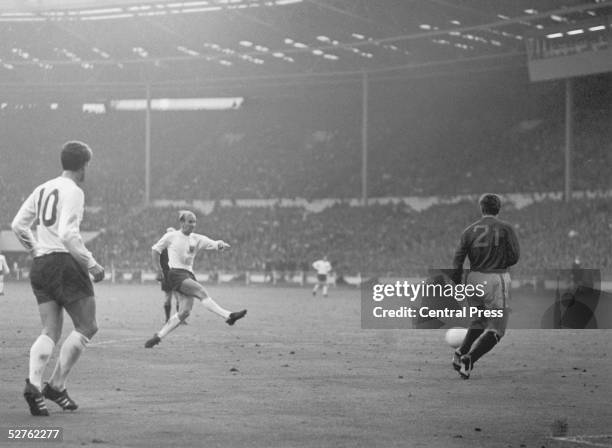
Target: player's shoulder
[(57, 181), (471, 226), (45, 185), (63, 184), (503, 223), (170, 236)]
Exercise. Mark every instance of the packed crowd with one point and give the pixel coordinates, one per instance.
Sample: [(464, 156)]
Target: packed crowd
[(282, 146), (379, 239)]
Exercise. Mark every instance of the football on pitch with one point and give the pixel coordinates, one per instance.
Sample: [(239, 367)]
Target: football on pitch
[(454, 336)]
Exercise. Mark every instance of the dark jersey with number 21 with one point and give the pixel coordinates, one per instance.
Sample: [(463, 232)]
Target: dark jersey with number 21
[(490, 244)]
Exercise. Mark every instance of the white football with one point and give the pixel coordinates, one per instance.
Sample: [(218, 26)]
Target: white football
[(455, 336)]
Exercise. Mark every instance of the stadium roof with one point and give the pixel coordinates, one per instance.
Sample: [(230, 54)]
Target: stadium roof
[(174, 42)]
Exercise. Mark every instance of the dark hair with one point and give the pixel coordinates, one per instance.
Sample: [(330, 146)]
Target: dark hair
[(75, 155), (489, 204)]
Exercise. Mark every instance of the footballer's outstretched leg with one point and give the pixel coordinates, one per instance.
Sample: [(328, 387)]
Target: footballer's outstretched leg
[(233, 317), (182, 246)]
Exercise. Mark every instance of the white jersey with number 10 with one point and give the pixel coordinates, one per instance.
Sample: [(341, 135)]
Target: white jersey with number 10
[(57, 208)]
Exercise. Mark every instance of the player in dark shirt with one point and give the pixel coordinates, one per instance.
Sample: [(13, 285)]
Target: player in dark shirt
[(492, 247), (165, 286)]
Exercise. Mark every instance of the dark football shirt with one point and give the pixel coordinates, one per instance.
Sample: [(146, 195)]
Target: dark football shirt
[(490, 244), (163, 261)]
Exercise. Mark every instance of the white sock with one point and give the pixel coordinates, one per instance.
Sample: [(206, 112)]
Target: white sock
[(1, 286), (70, 352), (40, 352), (172, 323), (325, 290), (211, 305)]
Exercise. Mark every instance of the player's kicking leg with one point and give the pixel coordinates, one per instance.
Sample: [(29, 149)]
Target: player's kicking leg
[(193, 288), (190, 290), (485, 333)]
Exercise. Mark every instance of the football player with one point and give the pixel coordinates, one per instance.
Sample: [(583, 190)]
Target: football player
[(4, 270), (323, 268), (183, 245), (492, 247), (163, 280), (59, 276)]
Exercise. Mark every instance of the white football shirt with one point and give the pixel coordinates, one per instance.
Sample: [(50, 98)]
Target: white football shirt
[(57, 207), (322, 267), (182, 248)]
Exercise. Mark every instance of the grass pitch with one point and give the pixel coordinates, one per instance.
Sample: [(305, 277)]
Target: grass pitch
[(299, 371)]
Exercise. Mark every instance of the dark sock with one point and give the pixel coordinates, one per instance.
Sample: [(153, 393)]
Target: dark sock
[(470, 337), (167, 311), (483, 345)]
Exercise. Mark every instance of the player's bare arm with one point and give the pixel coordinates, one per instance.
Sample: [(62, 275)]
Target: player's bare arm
[(5, 267), (22, 224), (458, 260), (155, 258), (70, 235), (209, 244), (514, 250)]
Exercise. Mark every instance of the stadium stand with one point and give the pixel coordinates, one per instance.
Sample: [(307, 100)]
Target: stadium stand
[(280, 148)]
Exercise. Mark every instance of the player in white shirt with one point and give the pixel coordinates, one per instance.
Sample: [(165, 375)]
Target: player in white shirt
[(182, 246), (59, 276), (4, 270), (323, 268)]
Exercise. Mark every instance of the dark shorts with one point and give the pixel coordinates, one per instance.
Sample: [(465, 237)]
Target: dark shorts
[(165, 284), (177, 276), (321, 278), (58, 277)]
